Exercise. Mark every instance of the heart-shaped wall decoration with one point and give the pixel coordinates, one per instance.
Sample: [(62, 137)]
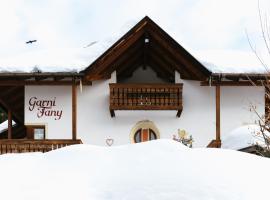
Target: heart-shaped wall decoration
[(109, 141)]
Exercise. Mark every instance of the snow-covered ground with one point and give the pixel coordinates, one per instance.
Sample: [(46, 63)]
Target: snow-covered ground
[(161, 169), (243, 137)]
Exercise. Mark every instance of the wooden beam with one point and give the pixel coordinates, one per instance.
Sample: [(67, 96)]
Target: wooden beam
[(17, 91), (145, 50), (129, 71), (161, 72), (74, 111), (170, 60), (15, 97), (103, 63), (8, 107), (42, 74), (20, 83), (161, 65), (125, 64), (232, 83), (5, 90), (245, 76), (179, 112), (9, 124), (218, 113), (214, 144), (176, 46), (131, 54), (40, 78), (112, 113), (118, 44), (57, 78), (193, 68)]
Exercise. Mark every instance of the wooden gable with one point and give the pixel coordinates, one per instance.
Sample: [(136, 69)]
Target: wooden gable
[(146, 44)]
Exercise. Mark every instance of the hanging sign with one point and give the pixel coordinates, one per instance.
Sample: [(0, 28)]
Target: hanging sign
[(45, 108)]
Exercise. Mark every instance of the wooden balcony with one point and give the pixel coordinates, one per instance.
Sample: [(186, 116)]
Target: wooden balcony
[(146, 97), (24, 145)]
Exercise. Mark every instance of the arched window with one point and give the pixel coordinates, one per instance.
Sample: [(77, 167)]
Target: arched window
[(143, 135), (144, 131)]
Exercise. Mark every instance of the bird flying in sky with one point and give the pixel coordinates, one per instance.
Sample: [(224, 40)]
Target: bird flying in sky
[(30, 41), (92, 43)]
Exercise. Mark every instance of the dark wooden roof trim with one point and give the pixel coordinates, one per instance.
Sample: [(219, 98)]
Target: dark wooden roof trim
[(146, 27), (104, 62), (170, 61), (178, 47), (41, 74), (232, 83), (245, 76), (47, 78), (45, 82), (130, 56), (136, 28)]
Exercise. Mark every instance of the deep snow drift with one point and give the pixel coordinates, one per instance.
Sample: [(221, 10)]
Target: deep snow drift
[(161, 169), (243, 137)]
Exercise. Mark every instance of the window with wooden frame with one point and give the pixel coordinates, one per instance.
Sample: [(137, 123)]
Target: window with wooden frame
[(143, 135), (144, 131), (36, 132)]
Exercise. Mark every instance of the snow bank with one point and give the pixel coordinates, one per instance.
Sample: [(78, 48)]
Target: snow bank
[(242, 137), (4, 126), (161, 169)]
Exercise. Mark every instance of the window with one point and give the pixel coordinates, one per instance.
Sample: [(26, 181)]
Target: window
[(143, 135), (144, 131), (39, 133), (36, 132)]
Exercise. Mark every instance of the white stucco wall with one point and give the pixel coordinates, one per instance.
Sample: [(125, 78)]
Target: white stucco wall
[(55, 129), (95, 124), (236, 106)]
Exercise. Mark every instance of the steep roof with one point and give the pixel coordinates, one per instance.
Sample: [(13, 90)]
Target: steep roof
[(146, 44)]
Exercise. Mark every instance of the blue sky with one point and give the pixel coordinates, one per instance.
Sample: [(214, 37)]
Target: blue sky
[(196, 24)]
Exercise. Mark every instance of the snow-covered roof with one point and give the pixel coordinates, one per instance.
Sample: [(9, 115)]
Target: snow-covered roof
[(51, 60), (4, 126), (61, 59), (232, 61), (243, 137), (78, 59)]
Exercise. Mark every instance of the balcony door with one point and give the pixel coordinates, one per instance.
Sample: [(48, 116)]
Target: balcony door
[(144, 134)]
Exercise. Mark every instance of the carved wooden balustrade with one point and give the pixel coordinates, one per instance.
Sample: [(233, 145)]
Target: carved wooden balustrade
[(25, 145), (146, 97)]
